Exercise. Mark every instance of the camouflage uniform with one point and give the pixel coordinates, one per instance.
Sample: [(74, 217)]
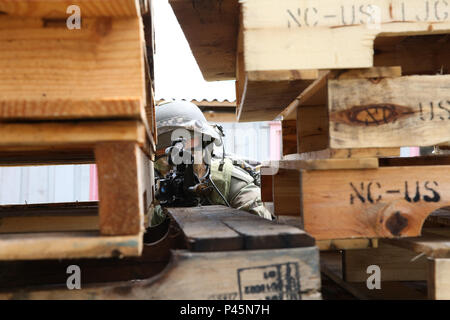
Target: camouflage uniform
[(231, 176)]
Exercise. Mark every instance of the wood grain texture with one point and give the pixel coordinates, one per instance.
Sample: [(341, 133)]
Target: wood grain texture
[(211, 28), (264, 100), (345, 154), (289, 136), (434, 243), (266, 188), (78, 216), (287, 197), (439, 279), (346, 244), (425, 54), (385, 202), (396, 264), (58, 8), (324, 164), (189, 275), (387, 113), (63, 134), (51, 72), (17, 275), (219, 228), (66, 245), (292, 34), (312, 128), (120, 188)]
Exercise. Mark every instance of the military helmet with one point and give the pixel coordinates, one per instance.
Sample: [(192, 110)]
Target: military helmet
[(184, 115)]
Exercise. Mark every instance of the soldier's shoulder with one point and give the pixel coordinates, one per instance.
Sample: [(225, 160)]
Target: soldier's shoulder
[(237, 171), (241, 174)]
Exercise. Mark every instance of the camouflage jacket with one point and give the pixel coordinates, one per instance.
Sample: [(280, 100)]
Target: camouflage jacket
[(236, 185)]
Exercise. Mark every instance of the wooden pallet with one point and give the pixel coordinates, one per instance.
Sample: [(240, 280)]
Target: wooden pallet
[(125, 174), (411, 268), (240, 254), (389, 197), (278, 49), (78, 96), (367, 109)]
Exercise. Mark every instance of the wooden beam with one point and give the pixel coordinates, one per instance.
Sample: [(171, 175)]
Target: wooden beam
[(235, 273), (289, 136), (94, 72), (58, 9), (346, 154), (426, 54), (65, 245), (365, 113), (396, 264), (324, 164), (219, 228), (120, 188), (439, 279), (77, 216), (434, 243), (64, 135), (287, 198), (265, 98), (312, 128), (293, 35), (211, 30), (385, 202)]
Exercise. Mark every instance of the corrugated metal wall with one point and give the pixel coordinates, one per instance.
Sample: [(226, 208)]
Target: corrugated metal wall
[(44, 184), (68, 183), (249, 140)]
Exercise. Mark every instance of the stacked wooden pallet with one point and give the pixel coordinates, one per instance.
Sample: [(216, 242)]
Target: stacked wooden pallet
[(352, 82), (77, 95), (242, 255)]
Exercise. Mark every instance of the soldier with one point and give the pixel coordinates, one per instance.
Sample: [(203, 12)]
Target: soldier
[(236, 183)]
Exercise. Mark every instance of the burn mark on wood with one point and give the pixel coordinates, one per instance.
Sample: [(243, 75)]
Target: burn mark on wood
[(396, 223), (372, 114)]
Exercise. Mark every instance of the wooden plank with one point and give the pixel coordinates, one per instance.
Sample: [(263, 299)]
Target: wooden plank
[(337, 244), (287, 198), (94, 72), (54, 135), (364, 113), (385, 202), (289, 136), (312, 128), (211, 29), (17, 275), (44, 157), (324, 164), (433, 243), (227, 229), (396, 264), (189, 275), (430, 160), (266, 188), (67, 245), (427, 54), (57, 9), (346, 244), (346, 154), (291, 34), (439, 279), (205, 233), (264, 100), (440, 217), (331, 267), (120, 188), (76, 216)]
